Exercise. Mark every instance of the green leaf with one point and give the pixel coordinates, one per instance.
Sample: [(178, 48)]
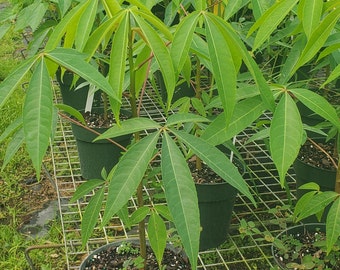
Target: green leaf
[(118, 59), (285, 135), (310, 14), (180, 118), (181, 197), (161, 55), (223, 67), (85, 25), (140, 214), (13, 146), (100, 33), (302, 203), (311, 186), (15, 125), (129, 126), (233, 7), (259, 136), (70, 110), (293, 57), (68, 22), (91, 214), (25, 18), (182, 40), (4, 28), (163, 210), (111, 7), (38, 115), (234, 41), (74, 61), (318, 38), (317, 104), (245, 113), (13, 80), (128, 174), (260, 6), (333, 224), (216, 160), (269, 21), (157, 236), (85, 188), (335, 74), (198, 105), (317, 204)]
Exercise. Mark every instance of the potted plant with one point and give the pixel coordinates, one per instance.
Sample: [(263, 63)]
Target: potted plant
[(204, 33)]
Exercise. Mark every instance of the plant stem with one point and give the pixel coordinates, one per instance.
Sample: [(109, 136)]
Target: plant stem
[(133, 104)]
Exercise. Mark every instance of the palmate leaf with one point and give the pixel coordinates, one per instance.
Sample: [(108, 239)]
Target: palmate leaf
[(333, 224), (217, 161), (15, 125), (128, 174), (285, 135), (38, 115), (223, 66), (317, 104), (90, 216), (181, 197), (157, 236), (75, 61)]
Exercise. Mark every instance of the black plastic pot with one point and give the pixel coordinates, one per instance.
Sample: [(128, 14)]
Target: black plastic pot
[(95, 253), (295, 230), (216, 203), (306, 173), (72, 97), (94, 156)]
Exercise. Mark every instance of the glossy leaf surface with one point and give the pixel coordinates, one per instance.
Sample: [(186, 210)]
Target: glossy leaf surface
[(181, 197), (285, 135), (38, 115), (128, 174)]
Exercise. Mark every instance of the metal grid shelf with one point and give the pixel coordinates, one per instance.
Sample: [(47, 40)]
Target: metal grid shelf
[(236, 253)]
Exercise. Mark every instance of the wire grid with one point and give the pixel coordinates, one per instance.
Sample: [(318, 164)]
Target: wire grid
[(236, 253)]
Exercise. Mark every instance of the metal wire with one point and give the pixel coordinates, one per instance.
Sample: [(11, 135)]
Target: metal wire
[(236, 253)]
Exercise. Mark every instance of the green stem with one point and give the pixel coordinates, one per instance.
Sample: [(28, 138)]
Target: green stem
[(133, 104)]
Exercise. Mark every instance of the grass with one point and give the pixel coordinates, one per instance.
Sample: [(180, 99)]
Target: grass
[(13, 209)]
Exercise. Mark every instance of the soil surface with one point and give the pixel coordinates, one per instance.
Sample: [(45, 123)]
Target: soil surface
[(111, 259), (300, 251), (312, 155)]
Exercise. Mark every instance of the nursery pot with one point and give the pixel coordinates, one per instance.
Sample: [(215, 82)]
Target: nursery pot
[(71, 96), (298, 230), (179, 255), (216, 203), (94, 156)]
